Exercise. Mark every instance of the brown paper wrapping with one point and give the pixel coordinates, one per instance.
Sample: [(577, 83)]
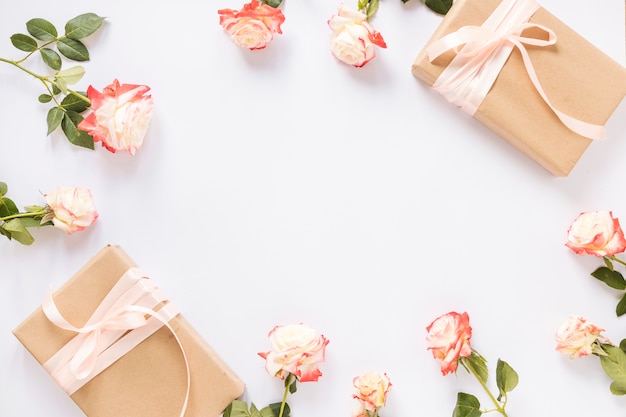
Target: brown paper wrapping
[(151, 379), (579, 79)]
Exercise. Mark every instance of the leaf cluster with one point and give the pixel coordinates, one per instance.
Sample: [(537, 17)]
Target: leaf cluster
[(614, 364), (240, 409), (44, 38), (13, 224), (613, 279), (467, 405)]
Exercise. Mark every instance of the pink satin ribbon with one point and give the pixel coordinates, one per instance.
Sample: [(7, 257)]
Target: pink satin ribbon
[(117, 325), (471, 74)]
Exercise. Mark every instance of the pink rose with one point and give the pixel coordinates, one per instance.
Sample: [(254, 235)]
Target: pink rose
[(296, 349), (72, 209), (353, 39), (576, 337), (120, 117), (596, 233), (449, 339), (371, 390), (253, 26)]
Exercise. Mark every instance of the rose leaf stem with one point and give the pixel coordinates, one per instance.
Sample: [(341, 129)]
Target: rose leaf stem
[(27, 214), (499, 408), (282, 404), (616, 259), (44, 79)]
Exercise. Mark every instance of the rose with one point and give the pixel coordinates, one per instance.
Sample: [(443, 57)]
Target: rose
[(596, 233), (296, 349), (353, 39), (120, 117), (253, 26), (577, 336), (71, 209), (371, 390), (449, 339)]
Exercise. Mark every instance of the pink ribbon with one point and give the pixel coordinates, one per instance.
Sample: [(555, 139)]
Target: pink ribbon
[(471, 74), (117, 325)]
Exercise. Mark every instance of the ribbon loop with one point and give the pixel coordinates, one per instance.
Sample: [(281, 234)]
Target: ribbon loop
[(126, 316), (485, 49)]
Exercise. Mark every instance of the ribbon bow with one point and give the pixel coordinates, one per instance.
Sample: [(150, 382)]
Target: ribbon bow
[(117, 325), (471, 74)]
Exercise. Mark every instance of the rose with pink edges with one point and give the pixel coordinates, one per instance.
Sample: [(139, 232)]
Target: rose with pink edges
[(596, 233), (120, 116), (254, 26)]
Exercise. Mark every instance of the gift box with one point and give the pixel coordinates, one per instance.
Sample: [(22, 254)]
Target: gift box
[(579, 85), (131, 353)]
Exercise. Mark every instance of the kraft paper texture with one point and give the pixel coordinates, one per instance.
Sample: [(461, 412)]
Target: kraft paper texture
[(579, 79), (150, 380)]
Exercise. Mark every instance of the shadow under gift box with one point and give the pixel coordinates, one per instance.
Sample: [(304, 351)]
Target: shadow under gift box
[(579, 80), (150, 380)]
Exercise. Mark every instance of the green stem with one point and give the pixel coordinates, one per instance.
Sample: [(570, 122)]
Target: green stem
[(27, 214), (499, 407), (287, 385), (616, 259), (44, 79)]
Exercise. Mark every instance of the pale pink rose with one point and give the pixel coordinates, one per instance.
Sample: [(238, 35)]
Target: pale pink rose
[(296, 349), (120, 117), (353, 39), (576, 337), (596, 233), (371, 390), (71, 209), (253, 26), (449, 339)]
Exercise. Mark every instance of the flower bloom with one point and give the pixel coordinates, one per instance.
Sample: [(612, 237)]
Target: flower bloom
[(449, 339), (371, 390), (296, 349), (352, 38), (71, 209), (576, 337), (596, 233), (120, 117), (253, 26)]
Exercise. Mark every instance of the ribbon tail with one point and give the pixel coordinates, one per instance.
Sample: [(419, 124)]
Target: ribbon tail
[(585, 129)]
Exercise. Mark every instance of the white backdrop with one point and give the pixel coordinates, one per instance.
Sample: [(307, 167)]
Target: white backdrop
[(281, 186)]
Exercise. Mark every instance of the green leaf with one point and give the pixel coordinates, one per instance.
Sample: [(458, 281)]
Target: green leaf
[(439, 6), (506, 378), (71, 102), (4, 188), (372, 8), (610, 277), (466, 406), (19, 232), (622, 345), (77, 137), (41, 29), (273, 410), (273, 3), (73, 49), (55, 90), (608, 262), (7, 207), (51, 58), (478, 364), (24, 42), (83, 25), (54, 118), (30, 221), (620, 309), (44, 98), (293, 385), (614, 364), (71, 75)]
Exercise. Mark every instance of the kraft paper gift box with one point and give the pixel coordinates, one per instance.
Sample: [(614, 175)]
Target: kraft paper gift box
[(150, 379), (577, 78)]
